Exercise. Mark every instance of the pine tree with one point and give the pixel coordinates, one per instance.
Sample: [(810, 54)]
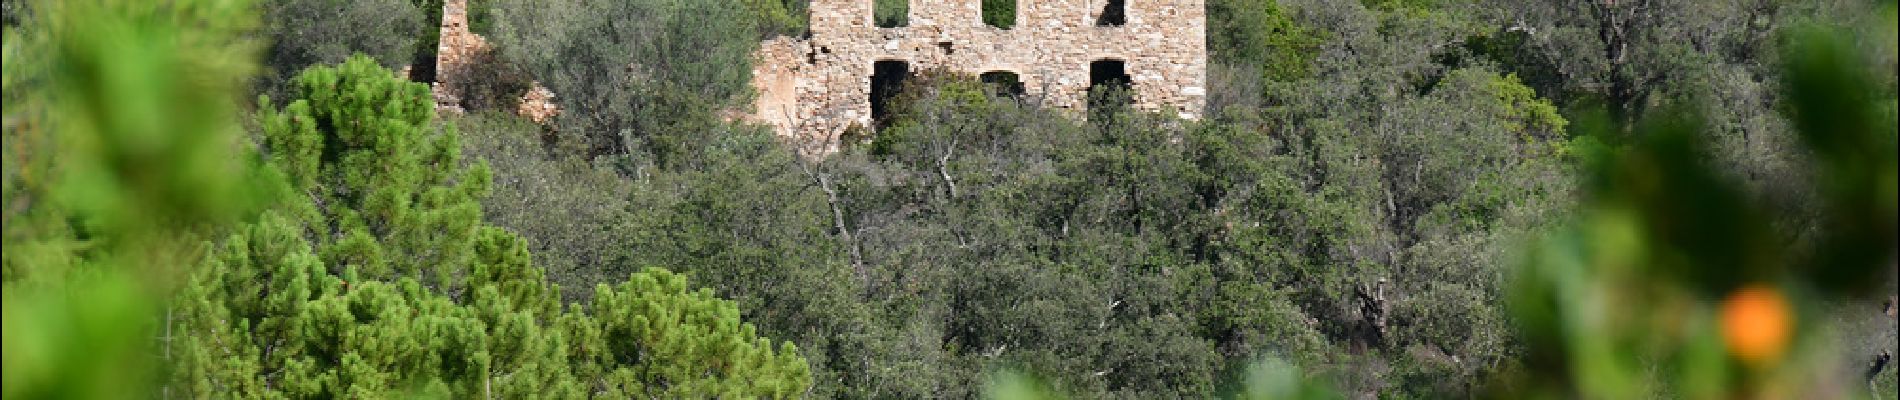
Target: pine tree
[(383, 280), (359, 141), (691, 341)]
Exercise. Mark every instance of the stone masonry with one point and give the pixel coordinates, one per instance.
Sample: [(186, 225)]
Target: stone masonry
[(813, 89), (457, 51)]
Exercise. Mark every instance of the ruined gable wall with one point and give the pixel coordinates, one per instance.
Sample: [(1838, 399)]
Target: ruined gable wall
[(1163, 44), (775, 71), (458, 49)]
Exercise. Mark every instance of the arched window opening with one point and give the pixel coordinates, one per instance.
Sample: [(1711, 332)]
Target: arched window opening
[(890, 13), (1114, 13), (887, 78), (1003, 84), (999, 13)]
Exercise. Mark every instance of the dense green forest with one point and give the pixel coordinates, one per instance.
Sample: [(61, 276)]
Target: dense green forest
[(1387, 199)]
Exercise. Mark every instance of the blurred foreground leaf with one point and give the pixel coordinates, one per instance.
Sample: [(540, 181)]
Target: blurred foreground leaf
[(121, 127), (1673, 282)]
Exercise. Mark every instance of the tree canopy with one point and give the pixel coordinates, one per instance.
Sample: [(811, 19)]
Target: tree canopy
[(1386, 198)]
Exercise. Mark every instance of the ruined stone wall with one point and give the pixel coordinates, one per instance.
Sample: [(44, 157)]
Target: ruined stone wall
[(456, 50), (813, 89), (456, 53)]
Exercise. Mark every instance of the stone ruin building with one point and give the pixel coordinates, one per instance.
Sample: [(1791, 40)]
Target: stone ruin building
[(812, 89)]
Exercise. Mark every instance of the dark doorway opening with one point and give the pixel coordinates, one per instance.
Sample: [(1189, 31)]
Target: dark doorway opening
[(1115, 13), (1108, 73), (1109, 84), (887, 77), (1003, 84)]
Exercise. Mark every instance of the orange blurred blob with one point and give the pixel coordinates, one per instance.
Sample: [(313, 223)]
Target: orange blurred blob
[(1756, 324)]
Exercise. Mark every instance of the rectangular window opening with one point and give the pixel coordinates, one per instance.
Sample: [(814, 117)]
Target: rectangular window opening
[(890, 13), (1114, 13), (999, 13)]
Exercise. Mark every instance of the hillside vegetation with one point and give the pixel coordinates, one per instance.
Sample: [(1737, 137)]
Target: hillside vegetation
[(1387, 199)]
